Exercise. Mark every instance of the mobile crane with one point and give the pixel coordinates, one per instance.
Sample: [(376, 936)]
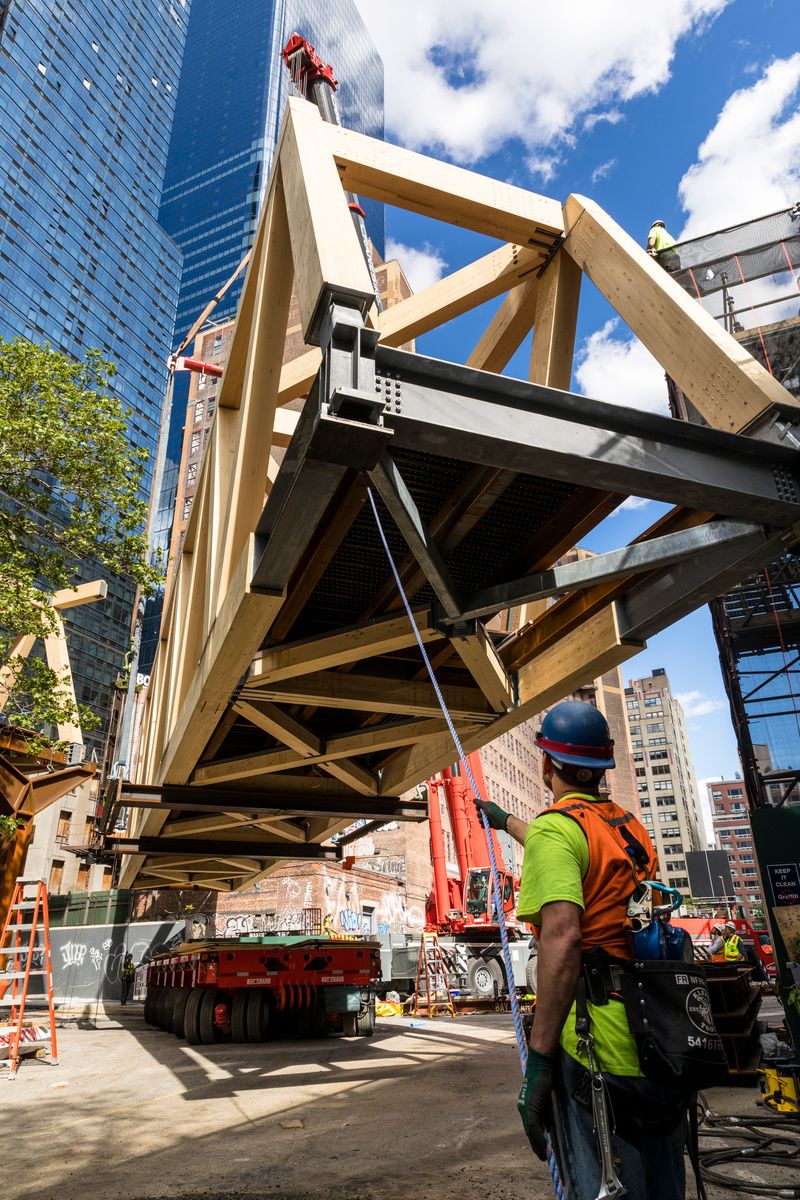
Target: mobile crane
[(461, 909)]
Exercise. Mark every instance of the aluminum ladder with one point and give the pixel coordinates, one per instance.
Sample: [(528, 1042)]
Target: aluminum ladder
[(28, 915)]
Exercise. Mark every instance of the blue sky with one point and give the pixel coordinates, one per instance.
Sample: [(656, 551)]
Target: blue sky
[(681, 109)]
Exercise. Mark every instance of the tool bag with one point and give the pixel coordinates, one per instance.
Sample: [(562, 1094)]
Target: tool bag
[(668, 1007)]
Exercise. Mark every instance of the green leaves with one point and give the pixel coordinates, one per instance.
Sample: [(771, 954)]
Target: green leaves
[(70, 489)]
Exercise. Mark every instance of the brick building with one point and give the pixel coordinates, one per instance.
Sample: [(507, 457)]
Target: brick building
[(732, 832)]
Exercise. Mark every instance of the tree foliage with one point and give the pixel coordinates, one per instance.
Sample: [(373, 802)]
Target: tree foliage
[(70, 490)]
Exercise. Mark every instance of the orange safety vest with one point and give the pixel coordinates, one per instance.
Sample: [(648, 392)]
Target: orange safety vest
[(613, 873)]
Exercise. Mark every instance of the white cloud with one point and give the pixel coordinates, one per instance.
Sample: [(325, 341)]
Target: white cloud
[(704, 804), (422, 266), (605, 168), (464, 77), (621, 371), (749, 164), (698, 704), (612, 117), (632, 504)]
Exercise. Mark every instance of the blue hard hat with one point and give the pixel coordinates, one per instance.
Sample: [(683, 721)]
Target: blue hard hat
[(577, 733)]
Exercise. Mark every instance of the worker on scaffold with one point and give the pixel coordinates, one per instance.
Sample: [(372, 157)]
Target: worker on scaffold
[(661, 247), (587, 862)]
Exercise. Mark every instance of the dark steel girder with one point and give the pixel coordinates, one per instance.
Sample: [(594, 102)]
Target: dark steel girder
[(443, 408), (209, 800), (650, 555), (219, 848)]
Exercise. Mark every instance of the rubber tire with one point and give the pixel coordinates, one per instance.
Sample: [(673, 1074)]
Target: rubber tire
[(191, 1025), (167, 1008), (149, 1005), (482, 975), (160, 1006), (179, 1002), (320, 1025), (239, 1015), (532, 973), (365, 1021), (209, 1032), (257, 1018), (350, 1024)]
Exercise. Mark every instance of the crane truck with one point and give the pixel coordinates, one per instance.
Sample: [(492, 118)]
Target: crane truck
[(460, 910)]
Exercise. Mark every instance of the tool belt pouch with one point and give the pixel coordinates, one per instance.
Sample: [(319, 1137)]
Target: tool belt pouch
[(668, 1007)]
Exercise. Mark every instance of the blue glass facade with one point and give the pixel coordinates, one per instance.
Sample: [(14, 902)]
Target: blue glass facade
[(232, 93), (87, 95)]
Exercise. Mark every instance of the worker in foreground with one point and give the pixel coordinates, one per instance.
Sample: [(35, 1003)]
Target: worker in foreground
[(661, 247), (612, 1066)]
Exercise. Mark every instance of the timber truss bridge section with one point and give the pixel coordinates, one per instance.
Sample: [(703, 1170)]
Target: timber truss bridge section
[(288, 697)]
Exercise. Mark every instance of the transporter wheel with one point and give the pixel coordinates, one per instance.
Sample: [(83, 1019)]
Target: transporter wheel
[(320, 1025), (167, 1008), (161, 1006), (179, 1002), (257, 1018), (191, 1024), (532, 973), (365, 1021), (209, 1032), (350, 1024), (149, 1005), (239, 1004), (482, 975)]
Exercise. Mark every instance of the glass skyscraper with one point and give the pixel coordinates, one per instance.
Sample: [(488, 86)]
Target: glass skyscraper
[(231, 98), (87, 96)]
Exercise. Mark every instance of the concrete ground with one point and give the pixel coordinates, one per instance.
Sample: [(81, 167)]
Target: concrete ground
[(422, 1111)]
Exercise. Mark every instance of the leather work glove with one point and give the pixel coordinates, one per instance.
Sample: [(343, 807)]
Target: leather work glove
[(535, 1105), (497, 817)]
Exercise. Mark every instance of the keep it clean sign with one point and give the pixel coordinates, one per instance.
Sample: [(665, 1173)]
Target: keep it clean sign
[(785, 881)]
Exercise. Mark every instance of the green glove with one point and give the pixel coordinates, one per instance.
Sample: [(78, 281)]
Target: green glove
[(498, 819), (535, 1105)]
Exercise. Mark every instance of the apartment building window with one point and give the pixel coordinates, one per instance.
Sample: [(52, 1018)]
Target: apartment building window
[(665, 801), (191, 475), (194, 445), (681, 882), (635, 730), (652, 701), (670, 833), (667, 817), (641, 771), (82, 882), (638, 757), (745, 858), (642, 787), (663, 770), (662, 785), (64, 822), (655, 727), (657, 741), (735, 792), (637, 744), (658, 755), (744, 845), (56, 875), (632, 703), (748, 872), (198, 411)]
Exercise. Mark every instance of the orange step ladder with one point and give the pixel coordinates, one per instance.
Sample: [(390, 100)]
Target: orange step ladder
[(28, 915), (432, 987)]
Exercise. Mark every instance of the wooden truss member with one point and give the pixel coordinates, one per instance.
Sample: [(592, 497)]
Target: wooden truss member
[(55, 649), (283, 668)]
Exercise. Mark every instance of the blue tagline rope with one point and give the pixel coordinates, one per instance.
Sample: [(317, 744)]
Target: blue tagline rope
[(496, 888)]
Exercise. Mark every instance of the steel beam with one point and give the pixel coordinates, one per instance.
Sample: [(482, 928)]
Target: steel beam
[(616, 564), (394, 493), (477, 417), (210, 800), (177, 847), (672, 593)]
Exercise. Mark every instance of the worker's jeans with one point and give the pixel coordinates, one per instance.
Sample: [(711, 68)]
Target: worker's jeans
[(653, 1171)]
